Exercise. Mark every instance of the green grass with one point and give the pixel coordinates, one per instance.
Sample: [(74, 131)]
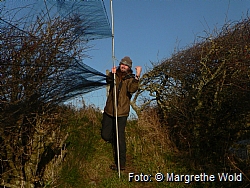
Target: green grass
[(87, 163), (88, 159)]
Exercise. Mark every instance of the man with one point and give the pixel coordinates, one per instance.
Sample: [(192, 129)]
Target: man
[(126, 85)]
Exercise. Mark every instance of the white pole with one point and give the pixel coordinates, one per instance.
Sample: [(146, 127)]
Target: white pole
[(113, 59)]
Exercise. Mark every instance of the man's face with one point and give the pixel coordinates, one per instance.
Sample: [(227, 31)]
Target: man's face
[(124, 68)]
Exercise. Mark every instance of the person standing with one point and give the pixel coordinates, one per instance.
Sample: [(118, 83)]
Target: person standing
[(126, 84)]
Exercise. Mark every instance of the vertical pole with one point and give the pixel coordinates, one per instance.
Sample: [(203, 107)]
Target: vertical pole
[(113, 59)]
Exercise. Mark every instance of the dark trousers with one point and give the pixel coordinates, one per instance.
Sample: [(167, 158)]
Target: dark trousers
[(108, 133)]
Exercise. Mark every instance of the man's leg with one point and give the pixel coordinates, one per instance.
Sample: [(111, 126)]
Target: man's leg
[(108, 134), (122, 121), (107, 128)]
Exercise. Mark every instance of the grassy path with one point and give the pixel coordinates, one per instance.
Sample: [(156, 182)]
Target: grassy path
[(89, 157)]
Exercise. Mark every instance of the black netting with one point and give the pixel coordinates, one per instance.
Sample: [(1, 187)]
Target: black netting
[(89, 14), (76, 80), (32, 66)]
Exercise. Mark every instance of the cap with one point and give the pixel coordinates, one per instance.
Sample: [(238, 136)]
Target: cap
[(126, 61)]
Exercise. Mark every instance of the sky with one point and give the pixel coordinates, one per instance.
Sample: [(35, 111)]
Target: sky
[(150, 30)]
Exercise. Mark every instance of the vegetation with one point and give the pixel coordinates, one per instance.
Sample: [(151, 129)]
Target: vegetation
[(88, 156), (201, 112), (40, 68), (202, 94), (150, 151)]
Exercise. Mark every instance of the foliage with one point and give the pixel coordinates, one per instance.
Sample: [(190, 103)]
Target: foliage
[(203, 94), (40, 69)]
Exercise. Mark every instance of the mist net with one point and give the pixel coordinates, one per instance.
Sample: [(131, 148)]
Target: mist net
[(31, 68), (90, 14)]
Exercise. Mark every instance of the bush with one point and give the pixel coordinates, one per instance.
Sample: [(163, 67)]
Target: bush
[(202, 93)]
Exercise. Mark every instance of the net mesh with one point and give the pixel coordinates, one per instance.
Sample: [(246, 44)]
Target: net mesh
[(90, 13), (67, 76)]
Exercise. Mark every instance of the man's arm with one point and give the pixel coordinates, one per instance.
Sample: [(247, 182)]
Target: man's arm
[(134, 84), (110, 77), (138, 72)]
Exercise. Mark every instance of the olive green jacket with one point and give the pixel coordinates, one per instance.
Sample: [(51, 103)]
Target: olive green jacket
[(126, 85)]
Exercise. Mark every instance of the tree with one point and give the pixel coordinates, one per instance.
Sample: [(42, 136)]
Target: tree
[(40, 68)]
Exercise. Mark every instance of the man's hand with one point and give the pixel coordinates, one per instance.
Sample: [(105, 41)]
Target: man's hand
[(138, 70), (113, 70)]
